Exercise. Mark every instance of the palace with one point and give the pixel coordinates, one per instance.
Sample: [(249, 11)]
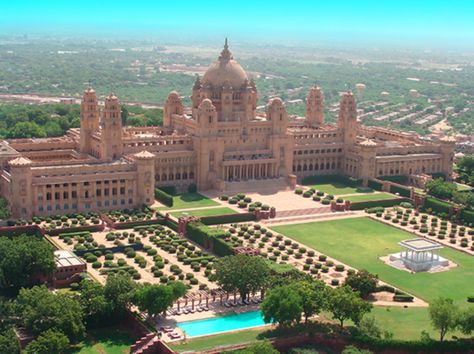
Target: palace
[(221, 139)]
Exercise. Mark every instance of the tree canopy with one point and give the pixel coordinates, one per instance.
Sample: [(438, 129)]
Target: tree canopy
[(282, 305), (345, 303), (157, 298), (48, 342), (40, 310), (22, 258), (363, 282), (242, 273), (444, 315)]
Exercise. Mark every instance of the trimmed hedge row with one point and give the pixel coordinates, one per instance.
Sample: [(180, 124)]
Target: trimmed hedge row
[(437, 205), (114, 249), (402, 179), (163, 197), (133, 224), (91, 228), (228, 218), (467, 215), (375, 203), (209, 238), (404, 192), (375, 185)]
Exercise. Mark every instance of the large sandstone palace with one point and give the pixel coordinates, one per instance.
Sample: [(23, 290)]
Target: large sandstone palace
[(221, 139)]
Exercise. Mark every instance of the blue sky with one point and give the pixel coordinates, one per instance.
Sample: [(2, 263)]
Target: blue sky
[(400, 21)]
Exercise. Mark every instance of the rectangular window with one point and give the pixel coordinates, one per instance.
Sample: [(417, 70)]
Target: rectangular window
[(106, 192), (74, 194), (57, 195), (65, 195), (122, 190), (98, 192), (114, 191)]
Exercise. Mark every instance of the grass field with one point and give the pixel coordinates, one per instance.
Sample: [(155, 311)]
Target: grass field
[(209, 342), (360, 242), (205, 212), (336, 188), (104, 341), (190, 200), (369, 197)]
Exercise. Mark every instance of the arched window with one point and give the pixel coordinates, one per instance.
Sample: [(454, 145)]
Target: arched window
[(164, 177)]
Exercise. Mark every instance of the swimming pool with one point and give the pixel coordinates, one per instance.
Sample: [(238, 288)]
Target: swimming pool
[(222, 324)]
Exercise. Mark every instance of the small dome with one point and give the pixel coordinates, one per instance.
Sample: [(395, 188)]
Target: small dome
[(225, 71)]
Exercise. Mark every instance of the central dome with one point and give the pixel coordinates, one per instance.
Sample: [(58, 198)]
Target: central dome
[(225, 71)]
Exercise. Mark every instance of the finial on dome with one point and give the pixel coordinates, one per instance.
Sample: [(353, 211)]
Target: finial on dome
[(226, 54)]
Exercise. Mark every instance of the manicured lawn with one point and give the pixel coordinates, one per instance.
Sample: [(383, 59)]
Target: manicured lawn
[(463, 187), (336, 188), (104, 341), (190, 200), (205, 212), (226, 339), (360, 242), (369, 197)]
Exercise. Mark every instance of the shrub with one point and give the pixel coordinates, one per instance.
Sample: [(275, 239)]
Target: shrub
[(322, 257), (298, 191), (339, 268), (96, 265), (335, 282), (163, 197)]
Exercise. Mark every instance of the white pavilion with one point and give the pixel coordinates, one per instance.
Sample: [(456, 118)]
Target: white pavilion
[(419, 255)]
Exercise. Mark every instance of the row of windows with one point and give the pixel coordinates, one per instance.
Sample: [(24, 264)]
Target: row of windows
[(74, 184), (99, 204), (98, 193), (318, 136), (322, 151), (174, 176), (317, 166)]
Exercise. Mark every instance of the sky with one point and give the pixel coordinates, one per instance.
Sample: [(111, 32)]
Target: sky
[(435, 23)]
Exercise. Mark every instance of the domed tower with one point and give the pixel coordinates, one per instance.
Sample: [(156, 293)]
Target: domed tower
[(227, 85), (315, 106), (276, 113), (347, 119), (173, 105), (111, 129), (89, 119)]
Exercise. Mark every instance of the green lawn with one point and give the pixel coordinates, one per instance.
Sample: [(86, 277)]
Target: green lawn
[(463, 187), (369, 197), (104, 341), (209, 342), (190, 200), (336, 188), (205, 212), (359, 242)]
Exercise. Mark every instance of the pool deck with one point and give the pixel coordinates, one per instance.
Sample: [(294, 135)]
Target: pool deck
[(174, 321)]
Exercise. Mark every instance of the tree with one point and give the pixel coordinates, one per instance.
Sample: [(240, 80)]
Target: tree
[(26, 130), (118, 290), (313, 296), (441, 189), (40, 310), (345, 303), (9, 343), (363, 282), (95, 306), (282, 305), (124, 114), (466, 169), (155, 299), (368, 327), (242, 273), (466, 321), (49, 342), (444, 315), (22, 258), (5, 212)]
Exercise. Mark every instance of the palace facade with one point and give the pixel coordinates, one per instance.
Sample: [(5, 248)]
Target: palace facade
[(219, 140)]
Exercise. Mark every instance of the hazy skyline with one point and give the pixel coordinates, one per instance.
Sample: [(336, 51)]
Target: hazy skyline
[(434, 23)]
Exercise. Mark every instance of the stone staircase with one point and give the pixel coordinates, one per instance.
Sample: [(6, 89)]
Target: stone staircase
[(263, 186), (310, 217), (147, 345), (300, 212)]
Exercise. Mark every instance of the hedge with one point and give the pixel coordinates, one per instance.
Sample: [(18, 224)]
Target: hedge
[(404, 192), (437, 205), (210, 238), (168, 189), (375, 203), (228, 218), (401, 179), (163, 197), (132, 224), (375, 185), (114, 249), (402, 298), (467, 215), (349, 181)]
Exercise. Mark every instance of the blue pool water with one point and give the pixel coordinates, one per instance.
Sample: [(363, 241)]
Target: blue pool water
[(222, 324)]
